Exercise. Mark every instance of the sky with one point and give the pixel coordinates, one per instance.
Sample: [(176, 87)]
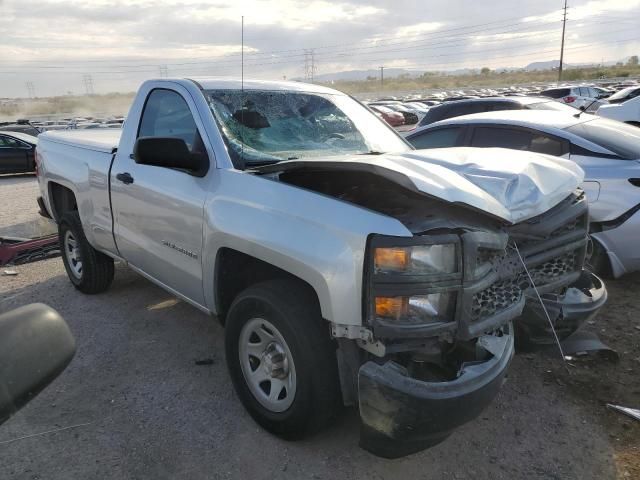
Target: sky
[(72, 46)]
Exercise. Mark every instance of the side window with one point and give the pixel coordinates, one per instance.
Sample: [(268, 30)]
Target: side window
[(551, 146), (8, 142), (438, 138), (166, 114), (501, 137)]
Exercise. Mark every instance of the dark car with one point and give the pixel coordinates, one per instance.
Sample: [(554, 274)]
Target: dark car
[(17, 152), (491, 104), (20, 128)]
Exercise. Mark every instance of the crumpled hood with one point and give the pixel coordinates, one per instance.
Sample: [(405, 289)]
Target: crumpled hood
[(513, 185), (510, 184)]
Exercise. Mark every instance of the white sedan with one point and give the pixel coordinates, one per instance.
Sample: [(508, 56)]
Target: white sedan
[(608, 151), (628, 111)]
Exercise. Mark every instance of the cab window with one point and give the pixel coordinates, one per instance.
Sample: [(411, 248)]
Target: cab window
[(166, 114), (517, 139)]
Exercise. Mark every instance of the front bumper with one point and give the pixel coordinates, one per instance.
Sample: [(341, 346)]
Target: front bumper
[(580, 303), (401, 415)]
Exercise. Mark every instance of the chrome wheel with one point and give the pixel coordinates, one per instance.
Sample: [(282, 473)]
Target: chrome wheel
[(72, 252), (267, 365)]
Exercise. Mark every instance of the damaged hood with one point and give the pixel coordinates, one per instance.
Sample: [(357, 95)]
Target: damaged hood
[(510, 184)]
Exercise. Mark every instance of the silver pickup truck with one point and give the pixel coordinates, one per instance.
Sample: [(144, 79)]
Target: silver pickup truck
[(346, 267)]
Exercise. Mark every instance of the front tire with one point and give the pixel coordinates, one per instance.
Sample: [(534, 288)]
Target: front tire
[(281, 358), (89, 270)]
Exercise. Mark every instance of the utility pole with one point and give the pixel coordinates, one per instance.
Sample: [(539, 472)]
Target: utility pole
[(564, 25), (31, 89), (381, 77), (88, 84), (164, 71)]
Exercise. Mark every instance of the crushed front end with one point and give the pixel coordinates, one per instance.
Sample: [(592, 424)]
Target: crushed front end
[(443, 307)]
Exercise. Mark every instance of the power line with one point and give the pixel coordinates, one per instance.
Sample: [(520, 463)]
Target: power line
[(378, 47)]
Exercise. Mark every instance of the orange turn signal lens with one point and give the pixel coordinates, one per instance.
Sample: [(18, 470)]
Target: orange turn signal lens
[(392, 307), (392, 258)]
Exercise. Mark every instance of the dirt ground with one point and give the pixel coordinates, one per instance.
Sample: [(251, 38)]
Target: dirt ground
[(133, 403)]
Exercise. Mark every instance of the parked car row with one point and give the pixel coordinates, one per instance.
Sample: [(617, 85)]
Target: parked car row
[(34, 128), (585, 97)]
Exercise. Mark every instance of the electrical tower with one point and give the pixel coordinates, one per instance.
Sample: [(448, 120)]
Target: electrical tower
[(564, 25), (31, 89), (88, 84), (381, 76), (164, 71), (309, 64)]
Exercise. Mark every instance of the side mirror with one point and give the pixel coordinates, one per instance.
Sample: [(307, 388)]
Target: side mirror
[(169, 152), (36, 345)]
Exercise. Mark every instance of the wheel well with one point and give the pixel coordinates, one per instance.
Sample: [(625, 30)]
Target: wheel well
[(236, 271), (62, 200)]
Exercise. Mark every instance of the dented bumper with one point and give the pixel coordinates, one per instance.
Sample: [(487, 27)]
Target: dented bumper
[(401, 415)]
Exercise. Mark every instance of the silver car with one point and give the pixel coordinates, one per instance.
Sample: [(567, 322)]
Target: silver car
[(607, 150)]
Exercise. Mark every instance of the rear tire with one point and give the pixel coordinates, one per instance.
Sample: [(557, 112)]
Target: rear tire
[(89, 270), (279, 323)]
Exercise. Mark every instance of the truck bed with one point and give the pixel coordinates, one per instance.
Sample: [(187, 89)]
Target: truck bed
[(100, 140)]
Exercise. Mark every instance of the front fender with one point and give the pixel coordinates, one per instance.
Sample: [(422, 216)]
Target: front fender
[(316, 238)]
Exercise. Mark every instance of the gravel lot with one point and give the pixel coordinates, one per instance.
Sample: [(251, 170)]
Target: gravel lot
[(140, 407)]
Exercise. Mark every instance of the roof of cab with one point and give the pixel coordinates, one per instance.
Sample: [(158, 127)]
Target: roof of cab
[(213, 83)]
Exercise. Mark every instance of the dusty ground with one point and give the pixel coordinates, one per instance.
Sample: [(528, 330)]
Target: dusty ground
[(146, 410)]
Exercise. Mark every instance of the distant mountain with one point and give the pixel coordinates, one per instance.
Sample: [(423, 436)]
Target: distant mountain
[(548, 65)]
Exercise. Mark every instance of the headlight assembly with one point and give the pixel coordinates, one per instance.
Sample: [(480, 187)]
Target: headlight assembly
[(416, 259), (416, 309), (414, 282)]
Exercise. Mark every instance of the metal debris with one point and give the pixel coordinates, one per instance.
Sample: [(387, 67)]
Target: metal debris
[(631, 412), (11, 272)]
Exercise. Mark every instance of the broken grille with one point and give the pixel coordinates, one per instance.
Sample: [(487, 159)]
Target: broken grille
[(497, 297), (505, 293)]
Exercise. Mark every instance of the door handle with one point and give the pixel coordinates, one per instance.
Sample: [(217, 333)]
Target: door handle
[(125, 177)]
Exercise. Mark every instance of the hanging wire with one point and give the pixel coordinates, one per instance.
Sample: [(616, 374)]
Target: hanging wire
[(544, 308)]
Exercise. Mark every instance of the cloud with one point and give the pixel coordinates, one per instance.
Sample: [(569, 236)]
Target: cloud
[(53, 43)]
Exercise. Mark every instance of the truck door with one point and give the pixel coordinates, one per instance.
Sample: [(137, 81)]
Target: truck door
[(158, 211)]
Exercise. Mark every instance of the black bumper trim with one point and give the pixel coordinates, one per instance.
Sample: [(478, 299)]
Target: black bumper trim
[(401, 415)]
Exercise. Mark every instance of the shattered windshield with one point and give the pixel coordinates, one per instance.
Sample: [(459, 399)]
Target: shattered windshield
[(262, 127)]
